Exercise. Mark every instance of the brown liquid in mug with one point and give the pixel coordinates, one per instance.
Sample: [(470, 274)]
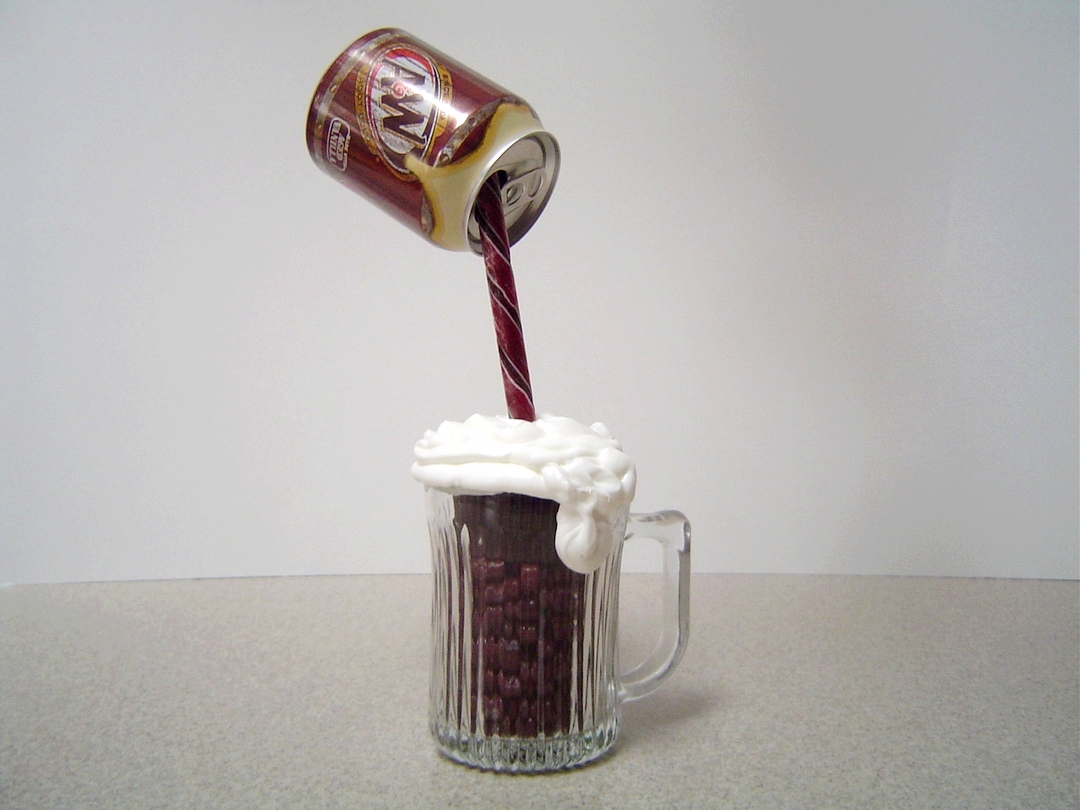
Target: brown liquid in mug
[(526, 615)]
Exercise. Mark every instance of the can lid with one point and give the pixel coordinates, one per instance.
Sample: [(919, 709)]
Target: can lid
[(529, 167), (514, 145)]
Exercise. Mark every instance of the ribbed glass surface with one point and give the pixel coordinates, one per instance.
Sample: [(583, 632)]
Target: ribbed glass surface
[(524, 654)]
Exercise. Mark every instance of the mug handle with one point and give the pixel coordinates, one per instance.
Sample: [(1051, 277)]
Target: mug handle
[(672, 530)]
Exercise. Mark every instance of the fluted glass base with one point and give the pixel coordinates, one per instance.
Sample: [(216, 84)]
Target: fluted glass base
[(523, 755)]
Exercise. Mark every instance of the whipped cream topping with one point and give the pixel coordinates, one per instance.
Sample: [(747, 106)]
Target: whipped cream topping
[(582, 468)]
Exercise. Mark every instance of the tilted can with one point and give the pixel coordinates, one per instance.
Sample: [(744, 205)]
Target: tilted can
[(418, 134)]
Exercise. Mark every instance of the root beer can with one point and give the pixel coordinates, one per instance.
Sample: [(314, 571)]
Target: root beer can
[(418, 134)]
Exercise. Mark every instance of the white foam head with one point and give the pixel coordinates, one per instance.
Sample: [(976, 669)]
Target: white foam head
[(582, 468)]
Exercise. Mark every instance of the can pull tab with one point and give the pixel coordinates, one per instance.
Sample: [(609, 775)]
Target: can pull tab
[(521, 191)]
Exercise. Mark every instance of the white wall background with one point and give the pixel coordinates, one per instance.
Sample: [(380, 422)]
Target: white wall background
[(814, 263)]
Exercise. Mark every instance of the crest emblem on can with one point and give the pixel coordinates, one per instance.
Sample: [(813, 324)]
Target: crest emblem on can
[(402, 105)]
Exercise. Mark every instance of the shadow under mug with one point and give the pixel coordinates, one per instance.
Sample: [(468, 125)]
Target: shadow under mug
[(524, 651)]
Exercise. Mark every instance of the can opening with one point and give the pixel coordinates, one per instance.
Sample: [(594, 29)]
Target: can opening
[(527, 171)]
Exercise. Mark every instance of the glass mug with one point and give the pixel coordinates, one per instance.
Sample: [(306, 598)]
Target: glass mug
[(524, 651)]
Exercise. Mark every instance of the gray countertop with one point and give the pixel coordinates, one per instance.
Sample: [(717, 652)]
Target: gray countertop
[(310, 692)]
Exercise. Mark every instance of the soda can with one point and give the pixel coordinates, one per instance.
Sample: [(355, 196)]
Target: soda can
[(418, 134)]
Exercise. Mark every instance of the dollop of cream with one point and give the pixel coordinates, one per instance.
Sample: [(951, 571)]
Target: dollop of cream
[(582, 468)]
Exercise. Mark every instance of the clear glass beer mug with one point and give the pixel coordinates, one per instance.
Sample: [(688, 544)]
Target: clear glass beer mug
[(524, 651)]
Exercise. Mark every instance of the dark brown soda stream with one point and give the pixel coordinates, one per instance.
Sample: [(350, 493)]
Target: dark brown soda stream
[(504, 305)]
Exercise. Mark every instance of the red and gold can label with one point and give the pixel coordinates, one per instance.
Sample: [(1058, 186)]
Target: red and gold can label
[(418, 133)]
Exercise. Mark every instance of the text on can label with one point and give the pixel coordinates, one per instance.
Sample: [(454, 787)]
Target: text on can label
[(337, 144)]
